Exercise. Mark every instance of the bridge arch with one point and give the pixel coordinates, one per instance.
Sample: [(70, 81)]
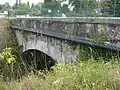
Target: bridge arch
[(38, 59), (58, 50), (46, 48)]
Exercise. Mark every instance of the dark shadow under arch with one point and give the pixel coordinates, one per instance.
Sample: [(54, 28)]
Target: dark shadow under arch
[(37, 60)]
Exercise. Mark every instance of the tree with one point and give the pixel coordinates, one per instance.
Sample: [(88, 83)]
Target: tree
[(22, 9), (65, 9), (35, 10), (54, 8), (1, 7), (109, 8), (7, 6), (83, 7), (51, 8)]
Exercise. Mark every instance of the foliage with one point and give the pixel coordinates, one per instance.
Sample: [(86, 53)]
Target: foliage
[(84, 7), (5, 6), (22, 9), (72, 8), (85, 75), (7, 55), (80, 8), (83, 4), (11, 66), (10, 62), (54, 8), (35, 10), (109, 8)]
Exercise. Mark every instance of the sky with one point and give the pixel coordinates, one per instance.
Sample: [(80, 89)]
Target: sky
[(11, 2)]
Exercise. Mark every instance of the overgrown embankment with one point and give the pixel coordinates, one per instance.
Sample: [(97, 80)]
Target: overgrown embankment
[(9, 52), (85, 75), (7, 37)]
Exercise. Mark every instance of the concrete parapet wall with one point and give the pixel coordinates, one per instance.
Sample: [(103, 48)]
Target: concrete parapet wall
[(103, 20), (97, 29)]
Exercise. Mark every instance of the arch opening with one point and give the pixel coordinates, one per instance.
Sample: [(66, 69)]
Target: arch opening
[(35, 59)]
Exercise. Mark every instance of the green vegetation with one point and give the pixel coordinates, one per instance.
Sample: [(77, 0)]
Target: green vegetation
[(84, 75), (53, 8), (109, 5), (93, 71), (72, 8), (10, 64)]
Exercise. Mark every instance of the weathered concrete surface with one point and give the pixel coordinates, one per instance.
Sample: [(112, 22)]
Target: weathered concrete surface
[(60, 51), (94, 29), (91, 28)]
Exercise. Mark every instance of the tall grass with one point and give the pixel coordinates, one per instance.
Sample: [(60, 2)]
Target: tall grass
[(85, 75), (19, 67)]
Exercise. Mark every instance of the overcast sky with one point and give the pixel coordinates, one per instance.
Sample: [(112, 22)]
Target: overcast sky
[(13, 1)]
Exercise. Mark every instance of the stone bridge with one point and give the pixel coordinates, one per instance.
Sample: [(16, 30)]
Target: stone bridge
[(60, 38)]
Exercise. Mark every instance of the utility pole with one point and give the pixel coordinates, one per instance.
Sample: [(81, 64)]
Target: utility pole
[(19, 2), (114, 13), (80, 6), (16, 3)]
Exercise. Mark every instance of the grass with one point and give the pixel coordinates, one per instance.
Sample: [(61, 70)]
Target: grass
[(84, 75)]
